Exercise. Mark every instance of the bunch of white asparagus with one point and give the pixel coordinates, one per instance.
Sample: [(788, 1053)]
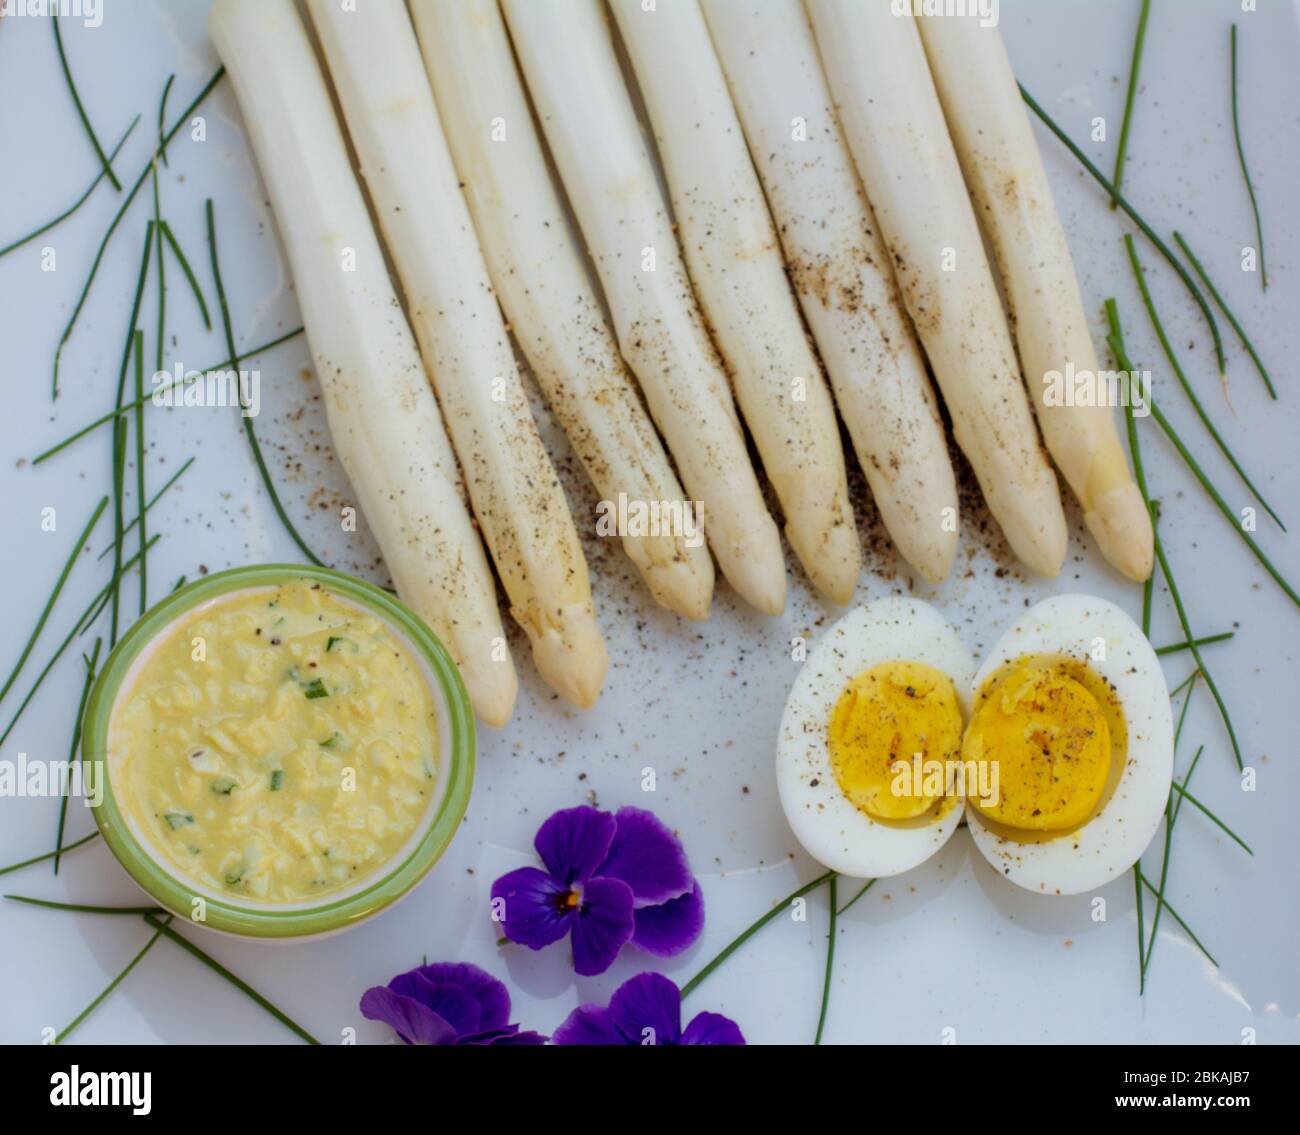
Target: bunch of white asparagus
[(820, 165)]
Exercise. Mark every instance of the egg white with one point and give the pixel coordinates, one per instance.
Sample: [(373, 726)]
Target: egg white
[(1111, 842), (831, 829)]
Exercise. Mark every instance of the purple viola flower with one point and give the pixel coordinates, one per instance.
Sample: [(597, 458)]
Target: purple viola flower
[(645, 1010), (609, 880), (448, 1003)]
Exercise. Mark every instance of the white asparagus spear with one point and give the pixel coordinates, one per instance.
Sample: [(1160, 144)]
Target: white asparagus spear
[(380, 80), (1013, 200), (382, 414), (546, 292), (735, 263), (841, 272), (891, 115), (586, 113)]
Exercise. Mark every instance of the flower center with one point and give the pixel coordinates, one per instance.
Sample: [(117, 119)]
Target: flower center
[(569, 900)]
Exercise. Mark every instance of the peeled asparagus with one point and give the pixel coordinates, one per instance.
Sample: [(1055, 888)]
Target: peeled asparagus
[(735, 263), (841, 272), (379, 77), (382, 414), (545, 291), (568, 60), (1004, 172), (895, 127)]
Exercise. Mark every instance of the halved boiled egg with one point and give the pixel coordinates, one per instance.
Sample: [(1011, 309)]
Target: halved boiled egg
[(871, 732), (1072, 726)]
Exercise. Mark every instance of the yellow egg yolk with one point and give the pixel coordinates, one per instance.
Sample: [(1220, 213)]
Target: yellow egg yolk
[(885, 718), (1047, 737)]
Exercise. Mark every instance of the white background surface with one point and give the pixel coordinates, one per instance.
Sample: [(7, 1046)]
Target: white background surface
[(948, 945)]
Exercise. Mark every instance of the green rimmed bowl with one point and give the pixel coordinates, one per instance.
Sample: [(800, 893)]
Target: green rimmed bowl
[(341, 909)]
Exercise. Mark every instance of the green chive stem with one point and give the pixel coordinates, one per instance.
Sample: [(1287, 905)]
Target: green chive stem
[(217, 967), (112, 985), (753, 928), (91, 662), (81, 110), (1131, 98), (77, 204), (1208, 640), (48, 855), (1241, 156), (54, 595), (232, 354)]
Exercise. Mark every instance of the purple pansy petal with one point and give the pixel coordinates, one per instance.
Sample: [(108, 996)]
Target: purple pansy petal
[(534, 913), (413, 1022), (510, 1035), (712, 1028), (670, 927), (648, 1001), (603, 927), (647, 857), (588, 1024), (456, 1006), (488, 992), (574, 841)]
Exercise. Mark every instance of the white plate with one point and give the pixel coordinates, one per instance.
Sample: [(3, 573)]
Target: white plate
[(946, 946)]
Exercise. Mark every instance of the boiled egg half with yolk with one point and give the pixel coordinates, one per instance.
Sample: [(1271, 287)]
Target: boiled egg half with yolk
[(873, 720), (1058, 750), (1072, 709)]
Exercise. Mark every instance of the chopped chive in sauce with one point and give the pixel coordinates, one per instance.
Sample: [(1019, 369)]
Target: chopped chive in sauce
[(315, 689), (333, 741), (234, 877), (178, 819), (277, 779), (223, 786), (338, 640)]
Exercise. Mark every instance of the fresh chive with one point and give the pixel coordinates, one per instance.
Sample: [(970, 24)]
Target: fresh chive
[(140, 497), (1245, 171), (277, 779), (223, 786), (217, 967), (830, 963), (150, 503), (112, 985), (1182, 714), (314, 689), (1129, 100), (753, 928), (1175, 647), (865, 888), (178, 584), (1137, 900), (91, 662), (183, 261), (1212, 818), (1172, 808), (81, 110), (84, 908), (77, 204), (1227, 312), (87, 619), (178, 819), (54, 595), (104, 419), (48, 855), (162, 118), (233, 364), (1177, 918), (134, 341), (117, 219), (338, 640), (1178, 689), (1135, 217), (332, 740), (1168, 349), (1148, 584)]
